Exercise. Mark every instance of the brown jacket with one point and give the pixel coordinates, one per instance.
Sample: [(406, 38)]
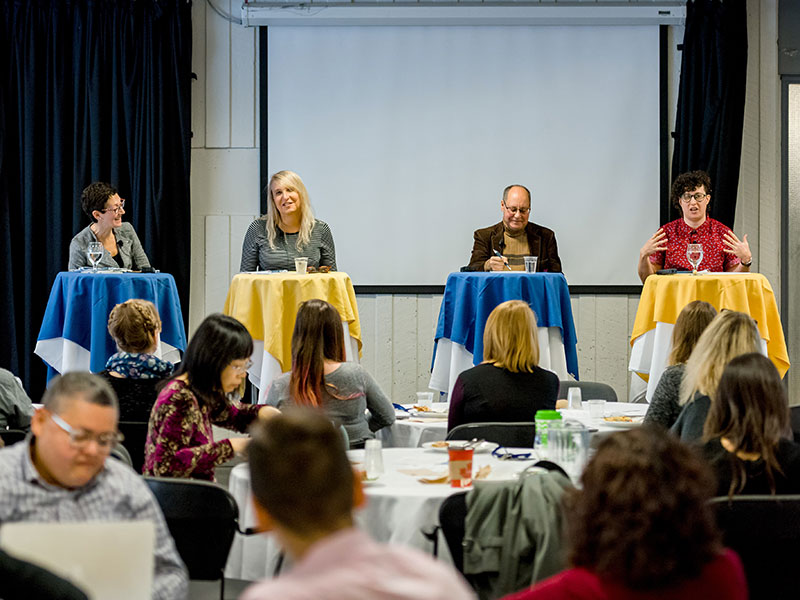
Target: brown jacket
[(541, 242)]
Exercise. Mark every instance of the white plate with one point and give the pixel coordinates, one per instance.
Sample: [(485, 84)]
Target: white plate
[(481, 448), (428, 414), (624, 424)]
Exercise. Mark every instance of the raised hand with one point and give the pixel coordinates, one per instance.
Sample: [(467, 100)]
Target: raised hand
[(733, 245)]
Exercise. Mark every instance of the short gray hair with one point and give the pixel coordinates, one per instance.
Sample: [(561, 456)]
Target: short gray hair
[(93, 389)]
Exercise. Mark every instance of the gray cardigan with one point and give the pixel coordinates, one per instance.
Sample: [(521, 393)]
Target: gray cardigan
[(130, 249)]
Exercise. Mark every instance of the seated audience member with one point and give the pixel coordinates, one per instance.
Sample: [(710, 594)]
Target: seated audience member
[(666, 249), (508, 385), (135, 370), (729, 335), (288, 230), (691, 322), (63, 473), (514, 238), (16, 408), (746, 428), (641, 527), (180, 440), (310, 511), (122, 248), (320, 377), (25, 581)]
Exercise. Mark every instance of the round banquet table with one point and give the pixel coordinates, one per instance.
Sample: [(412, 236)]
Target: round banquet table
[(267, 303), (468, 300), (74, 333), (663, 298)]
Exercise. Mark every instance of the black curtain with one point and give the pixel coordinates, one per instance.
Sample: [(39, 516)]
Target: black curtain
[(710, 117), (89, 90)]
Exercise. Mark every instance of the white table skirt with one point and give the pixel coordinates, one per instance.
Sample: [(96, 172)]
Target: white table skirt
[(65, 355), (452, 359), (266, 367), (398, 507), (650, 352)]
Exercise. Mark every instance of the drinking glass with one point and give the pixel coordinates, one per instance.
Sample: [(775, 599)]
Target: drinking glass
[(694, 254), (95, 252), (373, 459)]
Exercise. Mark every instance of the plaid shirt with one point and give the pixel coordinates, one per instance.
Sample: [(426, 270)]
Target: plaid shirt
[(116, 494)]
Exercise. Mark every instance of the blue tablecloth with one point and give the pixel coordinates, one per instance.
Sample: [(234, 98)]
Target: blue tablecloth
[(79, 305), (470, 297)]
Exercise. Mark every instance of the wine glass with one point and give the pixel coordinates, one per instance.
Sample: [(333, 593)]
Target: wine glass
[(694, 254), (95, 252)]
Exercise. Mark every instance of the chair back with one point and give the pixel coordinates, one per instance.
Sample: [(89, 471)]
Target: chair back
[(512, 435), (590, 390), (452, 514), (135, 433), (794, 415), (765, 533), (202, 518), (12, 436)]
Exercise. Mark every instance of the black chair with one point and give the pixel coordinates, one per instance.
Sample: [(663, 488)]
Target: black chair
[(202, 518), (135, 433), (452, 514), (512, 435), (12, 436), (794, 414), (590, 390), (765, 532)]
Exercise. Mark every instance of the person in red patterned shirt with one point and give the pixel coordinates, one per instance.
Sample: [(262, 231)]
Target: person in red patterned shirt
[(666, 248)]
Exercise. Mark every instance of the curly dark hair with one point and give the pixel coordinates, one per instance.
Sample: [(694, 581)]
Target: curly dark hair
[(642, 517), (94, 197), (686, 182)]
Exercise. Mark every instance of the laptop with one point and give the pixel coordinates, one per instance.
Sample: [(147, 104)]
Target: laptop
[(108, 560)]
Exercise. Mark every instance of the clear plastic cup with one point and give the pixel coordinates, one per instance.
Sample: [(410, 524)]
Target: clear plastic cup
[(301, 264), (373, 459), (530, 263), (597, 408)]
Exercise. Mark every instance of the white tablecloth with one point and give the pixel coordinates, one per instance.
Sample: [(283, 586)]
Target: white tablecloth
[(411, 432), (398, 507)]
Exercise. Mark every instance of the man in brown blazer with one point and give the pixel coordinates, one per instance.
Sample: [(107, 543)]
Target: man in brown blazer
[(514, 238)]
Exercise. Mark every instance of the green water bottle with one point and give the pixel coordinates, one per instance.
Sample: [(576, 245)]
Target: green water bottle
[(543, 419)]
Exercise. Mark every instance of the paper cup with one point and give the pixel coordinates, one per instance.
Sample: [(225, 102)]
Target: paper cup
[(460, 466)]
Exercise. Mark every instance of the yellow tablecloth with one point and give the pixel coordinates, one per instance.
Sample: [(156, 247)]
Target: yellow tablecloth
[(664, 296), (267, 303)]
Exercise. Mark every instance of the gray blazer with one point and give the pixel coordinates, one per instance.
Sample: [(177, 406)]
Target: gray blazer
[(130, 249)]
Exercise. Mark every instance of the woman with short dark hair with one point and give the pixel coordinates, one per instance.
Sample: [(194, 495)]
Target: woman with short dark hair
[(641, 527), (180, 439)]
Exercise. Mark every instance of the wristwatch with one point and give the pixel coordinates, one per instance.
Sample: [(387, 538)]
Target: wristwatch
[(746, 264)]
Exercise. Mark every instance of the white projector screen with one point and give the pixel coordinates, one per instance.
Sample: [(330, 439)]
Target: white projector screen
[(406, 136)]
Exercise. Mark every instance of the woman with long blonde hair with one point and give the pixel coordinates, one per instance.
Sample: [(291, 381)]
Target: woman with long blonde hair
[(288, 230), (729, 335), (509, 385)]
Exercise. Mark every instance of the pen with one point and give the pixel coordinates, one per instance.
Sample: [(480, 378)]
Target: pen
[(496, 253)]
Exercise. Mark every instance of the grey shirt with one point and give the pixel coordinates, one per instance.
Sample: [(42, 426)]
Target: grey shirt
[(256, 251), (664, 408), (16, 409), (128, 244), (357, 392), (115, 494)]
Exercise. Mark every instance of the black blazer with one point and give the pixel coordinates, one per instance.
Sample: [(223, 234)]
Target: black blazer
[(541, 241)]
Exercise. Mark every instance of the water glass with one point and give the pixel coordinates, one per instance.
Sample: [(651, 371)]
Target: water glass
[(94, 251), (597, 408), (574, 399), (530, 263), (301, 265), (569, 446), (694, 254), (373, 459), (424, 399)]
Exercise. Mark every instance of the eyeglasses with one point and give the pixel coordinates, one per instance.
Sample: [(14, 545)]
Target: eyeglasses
[(80, 438), (502, 453), (116, 209), (687, 198), (241, 369), (515, 210)]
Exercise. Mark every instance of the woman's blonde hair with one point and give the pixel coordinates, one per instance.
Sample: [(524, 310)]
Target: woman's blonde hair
[(691, 323), (292, 182), (730, 334), (510, 338), (134, 325)]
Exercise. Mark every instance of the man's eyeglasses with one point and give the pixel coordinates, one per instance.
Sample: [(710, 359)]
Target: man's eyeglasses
[(80, 438), (241, 369), (116, 209), (521, 210), (687, 198), (502, 453)]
